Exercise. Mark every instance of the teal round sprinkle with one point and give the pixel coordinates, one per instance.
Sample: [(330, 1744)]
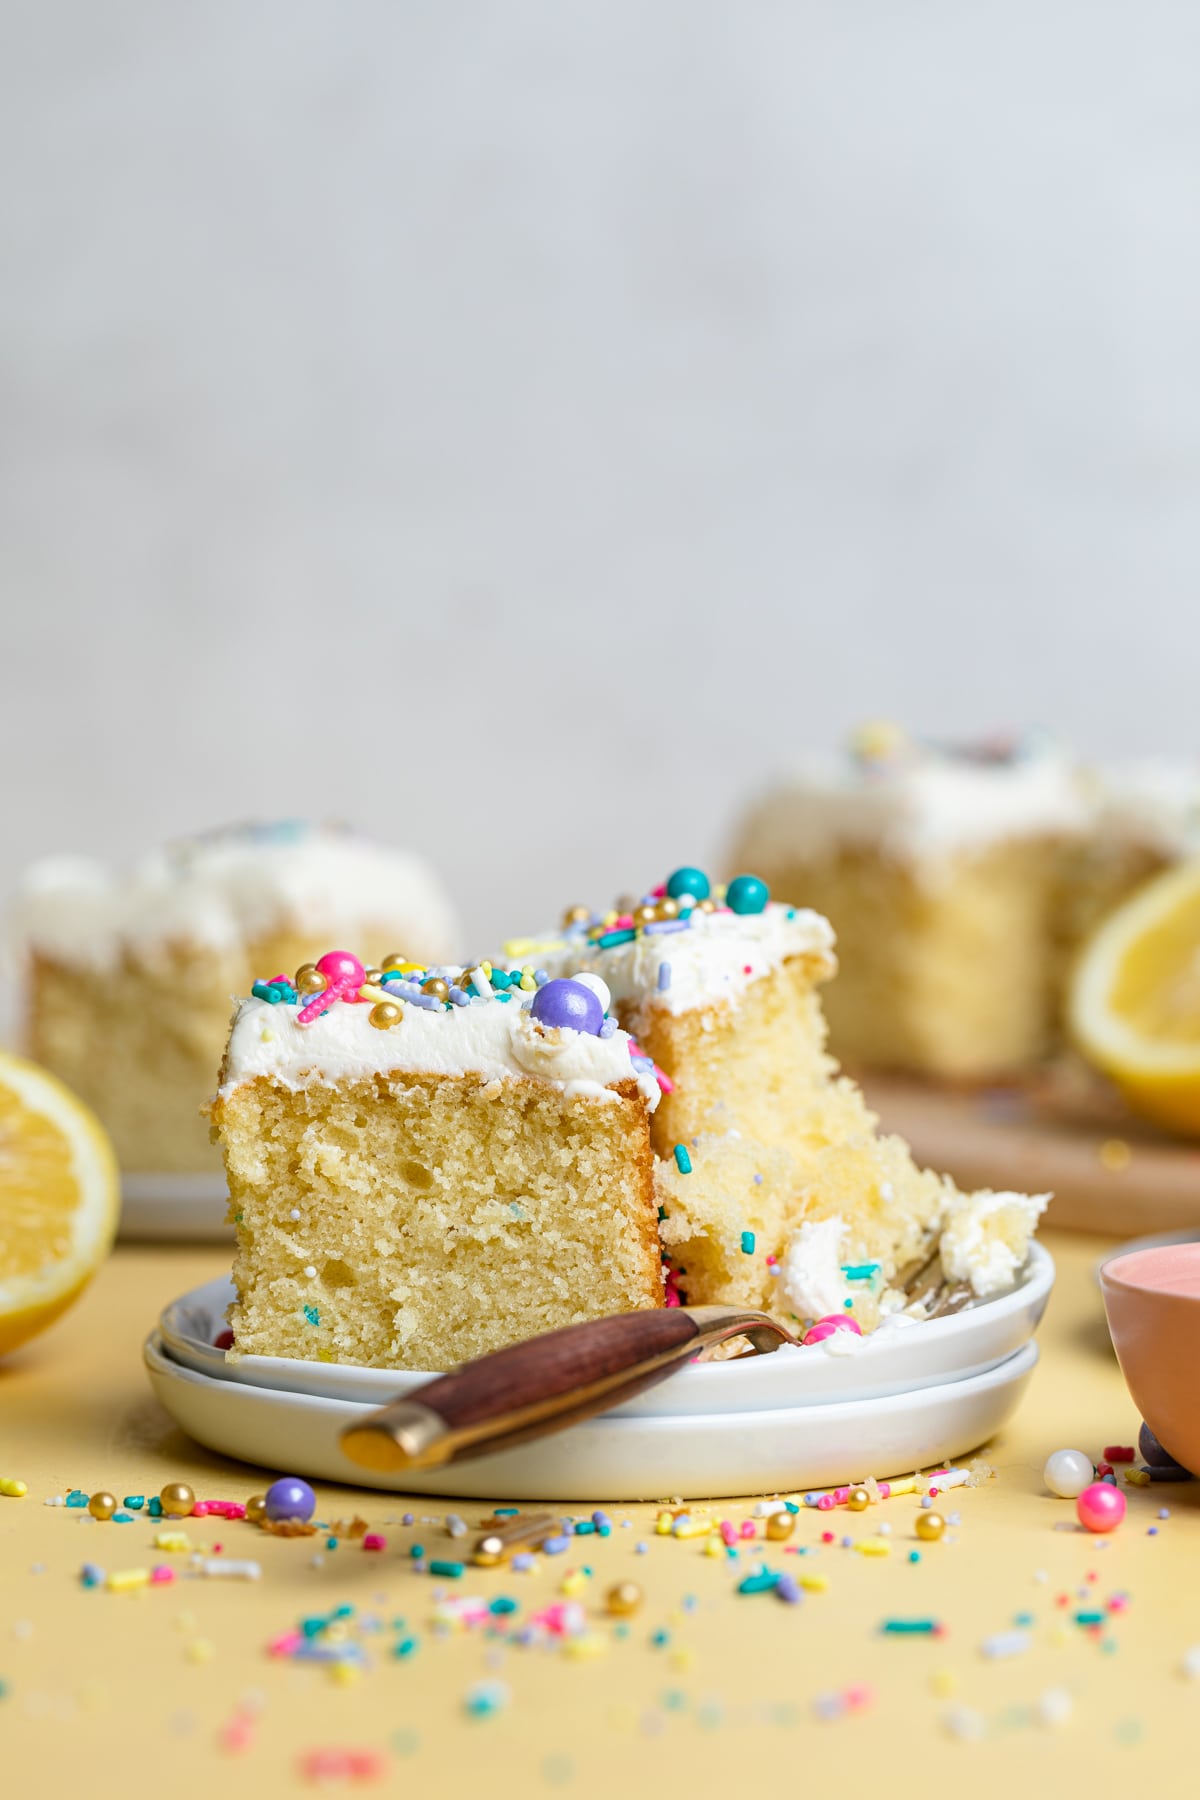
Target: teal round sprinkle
[(661, 1639), (748, 1243), (417, 1550), (331, 1543), (914, 1556), (747, 894), (405, 1647), (689, 881)]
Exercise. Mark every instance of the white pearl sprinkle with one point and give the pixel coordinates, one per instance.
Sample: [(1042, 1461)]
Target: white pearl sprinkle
[(310, 1273), (294, 1214)]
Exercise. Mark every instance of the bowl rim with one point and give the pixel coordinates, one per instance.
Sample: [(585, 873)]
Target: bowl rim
[(1111, 1275)]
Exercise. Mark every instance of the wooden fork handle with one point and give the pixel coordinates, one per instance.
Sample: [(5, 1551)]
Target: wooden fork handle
[(539, 1386)]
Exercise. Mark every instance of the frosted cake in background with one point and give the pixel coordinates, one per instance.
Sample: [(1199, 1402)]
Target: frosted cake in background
[(129, 977), (943, 874)]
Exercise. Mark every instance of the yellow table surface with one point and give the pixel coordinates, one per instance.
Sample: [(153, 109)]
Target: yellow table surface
[(131, 1694)]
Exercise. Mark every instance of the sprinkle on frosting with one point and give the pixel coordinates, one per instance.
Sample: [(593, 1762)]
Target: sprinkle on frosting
[(339, 1018), (720, 940)]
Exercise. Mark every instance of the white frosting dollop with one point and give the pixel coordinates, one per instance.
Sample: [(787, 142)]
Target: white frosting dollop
[(221, 891), (918, 808), (811, 1272), (986, 1238), (494, 1038), (713, 960)]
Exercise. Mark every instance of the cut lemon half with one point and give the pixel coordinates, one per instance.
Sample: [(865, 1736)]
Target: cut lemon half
[(58, 1199), (1135, 999)]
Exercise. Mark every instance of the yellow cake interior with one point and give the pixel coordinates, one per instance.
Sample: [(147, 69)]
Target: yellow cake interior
[(440, 1216)]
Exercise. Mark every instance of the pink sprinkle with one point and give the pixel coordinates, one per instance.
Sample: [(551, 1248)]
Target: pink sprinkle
[(934, 1492), (828, 1537), (624, 923), (286, 1644), (1118, 1603), (238, 1734), (859, 1697), (217, 1549), (345, 1765), (729, 1532), (747, 1528), (664, 1080), (657, 893), (160, 1575), (374, 1541), (826, 1503), (747, 969), (826, 1327)]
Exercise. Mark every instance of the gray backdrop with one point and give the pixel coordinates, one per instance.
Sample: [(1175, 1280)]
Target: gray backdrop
[(517, 427)]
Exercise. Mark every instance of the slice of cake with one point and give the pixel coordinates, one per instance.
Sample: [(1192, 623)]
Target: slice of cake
[(942, 872), (778, 1190), (130, 976), (432, 1166)]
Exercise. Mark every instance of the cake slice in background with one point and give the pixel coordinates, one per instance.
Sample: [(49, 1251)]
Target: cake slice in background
[(944, 873), (130, 977), (440, 1168)]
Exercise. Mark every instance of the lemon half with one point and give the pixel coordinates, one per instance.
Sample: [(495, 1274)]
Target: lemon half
[(59, 1199), (1134, 1004)]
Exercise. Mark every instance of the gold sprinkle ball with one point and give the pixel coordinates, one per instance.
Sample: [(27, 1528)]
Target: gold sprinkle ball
[(780, 1526), (645, 915), (309, 979), (435, 986), (373, 976), (858, 1499), (102, 1505), (623, 1598), (384, 1014), (1115, 1154), (177, 1499), (930, 1526), (668, 907), (706, 906)]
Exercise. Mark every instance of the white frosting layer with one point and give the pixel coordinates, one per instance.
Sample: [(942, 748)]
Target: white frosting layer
[(811, 1273), (916, 809), (714, 960), (494, 1038), (219, 892), (1153, 805), (986, 1238)]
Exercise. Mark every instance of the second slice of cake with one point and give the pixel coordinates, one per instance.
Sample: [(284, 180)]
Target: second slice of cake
[(433, 1170)]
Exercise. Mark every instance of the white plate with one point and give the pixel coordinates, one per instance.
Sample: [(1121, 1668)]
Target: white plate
[(174, 1207), (695, 1455), (951, 1349)]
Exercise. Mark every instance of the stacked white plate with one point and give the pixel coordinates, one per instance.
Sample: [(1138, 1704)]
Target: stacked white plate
[(798, 1418)]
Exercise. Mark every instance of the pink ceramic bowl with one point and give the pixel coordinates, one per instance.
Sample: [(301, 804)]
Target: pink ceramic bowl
[(1152, 1298)]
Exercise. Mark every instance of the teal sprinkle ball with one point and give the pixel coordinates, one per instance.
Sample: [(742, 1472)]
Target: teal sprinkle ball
[(747, 894), (688, 881)]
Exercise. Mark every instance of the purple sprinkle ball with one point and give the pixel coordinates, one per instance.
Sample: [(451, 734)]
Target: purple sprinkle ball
[(290, 1498), (568, 1003)]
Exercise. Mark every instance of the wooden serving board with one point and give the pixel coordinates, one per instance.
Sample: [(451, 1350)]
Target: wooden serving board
[(1109, 1173)]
